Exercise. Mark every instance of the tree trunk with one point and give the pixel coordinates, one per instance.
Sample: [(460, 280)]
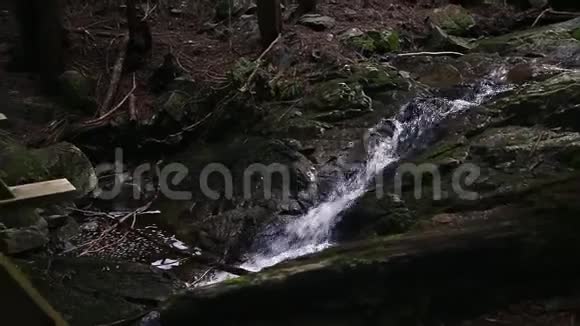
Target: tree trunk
[(270, 20), (41, 38)]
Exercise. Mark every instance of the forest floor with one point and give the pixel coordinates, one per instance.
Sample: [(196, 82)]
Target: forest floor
[(207, 49)]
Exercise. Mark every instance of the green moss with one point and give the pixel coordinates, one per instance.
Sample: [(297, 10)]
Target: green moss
[(453, 19), (241, 71), (242, 280), (176, 104), (363, 43), (376, 42), (286, 89), (338, 95), (576, 34), (377, 78)]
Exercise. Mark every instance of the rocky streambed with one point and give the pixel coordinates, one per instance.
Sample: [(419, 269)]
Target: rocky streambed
[(507, 107)]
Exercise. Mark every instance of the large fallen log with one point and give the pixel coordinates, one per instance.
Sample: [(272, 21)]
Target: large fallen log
[(525, 250)]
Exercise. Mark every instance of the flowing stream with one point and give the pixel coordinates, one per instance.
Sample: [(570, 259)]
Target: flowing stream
[(311, 232)]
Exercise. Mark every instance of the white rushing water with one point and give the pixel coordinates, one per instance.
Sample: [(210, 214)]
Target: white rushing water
[(311, 232)]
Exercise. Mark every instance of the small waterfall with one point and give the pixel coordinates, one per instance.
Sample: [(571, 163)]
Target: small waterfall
[(311, 232)]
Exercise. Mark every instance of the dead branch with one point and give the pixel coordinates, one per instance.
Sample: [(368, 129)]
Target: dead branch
[(116, 75), (113, 110), (111, 228), (569, 14), (258, 61), (540, 17), (412, 54)]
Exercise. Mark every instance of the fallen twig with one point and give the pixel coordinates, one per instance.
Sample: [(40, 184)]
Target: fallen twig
[(111, 228), (199, 279), (116, 75), (113, 110), (554, 12), (412, 54), (540, 16), (258, 61)]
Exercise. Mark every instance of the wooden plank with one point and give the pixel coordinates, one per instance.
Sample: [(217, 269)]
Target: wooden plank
[(25, 305), (40, 193)]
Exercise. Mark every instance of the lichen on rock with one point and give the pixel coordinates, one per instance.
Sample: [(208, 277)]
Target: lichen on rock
[(375, 42), (453, 19)]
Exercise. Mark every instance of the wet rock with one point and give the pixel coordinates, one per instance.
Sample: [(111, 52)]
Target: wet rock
[(373, 215), (537, 142), (521, 73), (376, 78), (78, 90), (453, 19), (441, 41), (338, 95), (124, 288), (388, 276), (373, 42), (67, 231), (317, 22), (17, 240), (442, 76), (554, 42), (255, 180)]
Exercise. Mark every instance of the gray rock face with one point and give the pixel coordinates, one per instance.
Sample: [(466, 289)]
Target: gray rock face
[(442, 41), (124, 289), (253, 179), (317, 22), (23, 239)]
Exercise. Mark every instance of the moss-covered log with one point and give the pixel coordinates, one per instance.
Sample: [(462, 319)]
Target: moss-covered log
[(520, 251)]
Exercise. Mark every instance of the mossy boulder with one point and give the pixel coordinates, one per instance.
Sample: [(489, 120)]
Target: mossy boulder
[(442, 41), (176, 104), (453, 19), (19, 165), (376, 78), (557, 41), (405, 279), (375, 42), (338, 95), (29, 233), (375, 214), (526, 138), (78, 90)]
